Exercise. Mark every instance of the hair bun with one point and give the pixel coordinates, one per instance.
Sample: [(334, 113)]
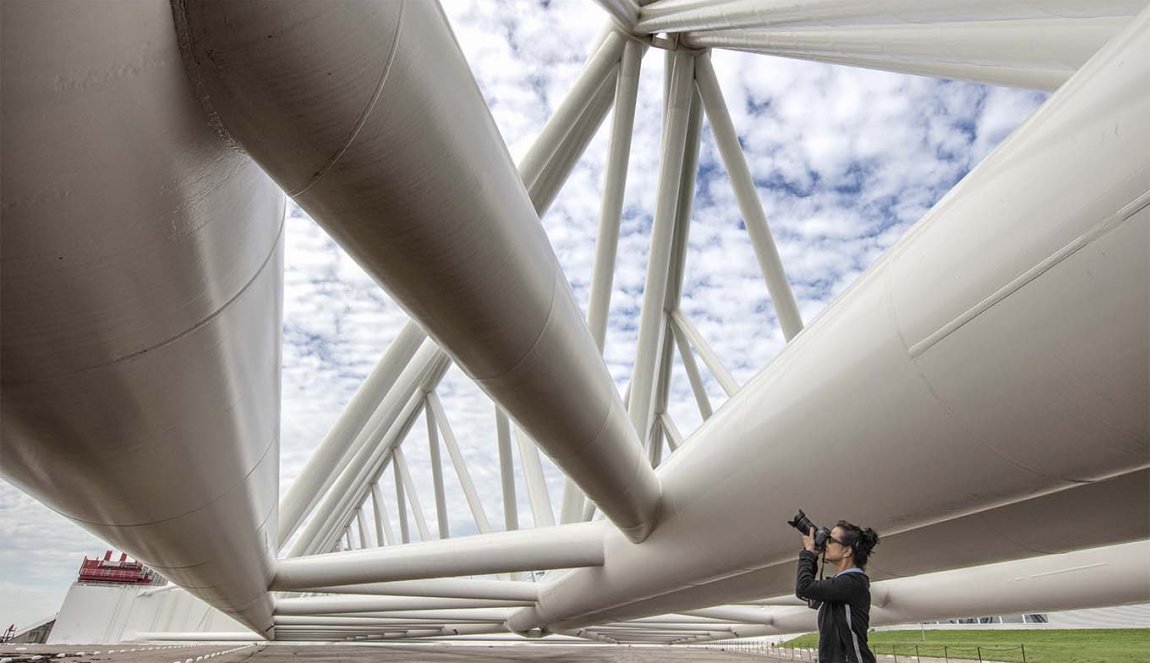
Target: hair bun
[(869, 538)]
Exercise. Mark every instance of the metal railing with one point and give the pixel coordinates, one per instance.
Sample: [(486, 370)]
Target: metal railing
[(913, 652)]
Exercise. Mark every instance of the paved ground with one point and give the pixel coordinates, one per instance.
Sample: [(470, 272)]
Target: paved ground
[(391, 653)]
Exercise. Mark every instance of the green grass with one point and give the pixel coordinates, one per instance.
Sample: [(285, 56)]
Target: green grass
[(1042, 646)]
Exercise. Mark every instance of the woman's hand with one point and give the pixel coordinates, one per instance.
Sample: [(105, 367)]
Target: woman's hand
[(809, 540)]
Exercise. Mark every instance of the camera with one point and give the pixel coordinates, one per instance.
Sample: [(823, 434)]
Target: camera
[(804, 525)]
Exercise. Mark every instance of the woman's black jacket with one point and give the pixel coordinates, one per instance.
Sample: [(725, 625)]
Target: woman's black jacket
[(844, 615)]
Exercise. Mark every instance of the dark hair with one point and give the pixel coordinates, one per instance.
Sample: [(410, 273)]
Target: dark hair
[(861, 540)]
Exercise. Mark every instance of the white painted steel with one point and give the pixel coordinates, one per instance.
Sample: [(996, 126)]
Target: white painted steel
[(404, 472), (401, 504), (680, 15), (336, 449), (321, 605), (494, 615), (426, 370), (327, 620), (542, 514), (698, 389), (989, 273), (567, 546), (683, 207), (460, 465), (1050, 44), (651, 323), (384, 534), (436, 471), (950, 371), (141, 293), (465, 588), (674, 437), (1087, 578), (506, 471), (361, 523), (572, 505), (687, 329), (320, 133), (731, 613), (393, 418), (754, 218), (558, 169), (1020, 77), (614, 184), (623, 12), (386, 427), (535, 163)]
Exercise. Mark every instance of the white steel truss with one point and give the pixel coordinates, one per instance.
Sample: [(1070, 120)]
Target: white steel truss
[(407, 172)]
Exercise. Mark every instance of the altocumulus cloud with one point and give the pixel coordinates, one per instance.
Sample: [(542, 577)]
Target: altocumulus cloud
[(844, 160)]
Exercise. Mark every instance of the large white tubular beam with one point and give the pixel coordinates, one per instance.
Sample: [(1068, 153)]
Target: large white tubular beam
[(464, 588), (496, 615), (420, 190), (1021, 77), (624, 12), (320, 605), (142, 272), (1053, 44), (1096, 577), (949, 379), (682, 15), (743, 184), (328, 620), (734, 613), (568, 546), (333, 453)]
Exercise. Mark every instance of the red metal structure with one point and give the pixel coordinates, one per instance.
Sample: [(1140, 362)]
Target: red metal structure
[(118, 572)]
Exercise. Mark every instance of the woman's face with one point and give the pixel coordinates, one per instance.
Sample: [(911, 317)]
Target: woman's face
[(836, 550)]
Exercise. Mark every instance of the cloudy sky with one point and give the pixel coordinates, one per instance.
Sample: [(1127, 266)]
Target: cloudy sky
[(845, 161)]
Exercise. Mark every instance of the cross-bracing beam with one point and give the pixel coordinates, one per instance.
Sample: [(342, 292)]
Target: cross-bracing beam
[(468, 588), (751, 207), (651, 317), (337, 447), (566, 546)]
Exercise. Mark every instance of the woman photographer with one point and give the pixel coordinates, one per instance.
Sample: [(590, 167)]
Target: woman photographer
[(844, 613)]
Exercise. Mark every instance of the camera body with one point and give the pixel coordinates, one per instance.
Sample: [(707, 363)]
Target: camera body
[(804, 525)]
